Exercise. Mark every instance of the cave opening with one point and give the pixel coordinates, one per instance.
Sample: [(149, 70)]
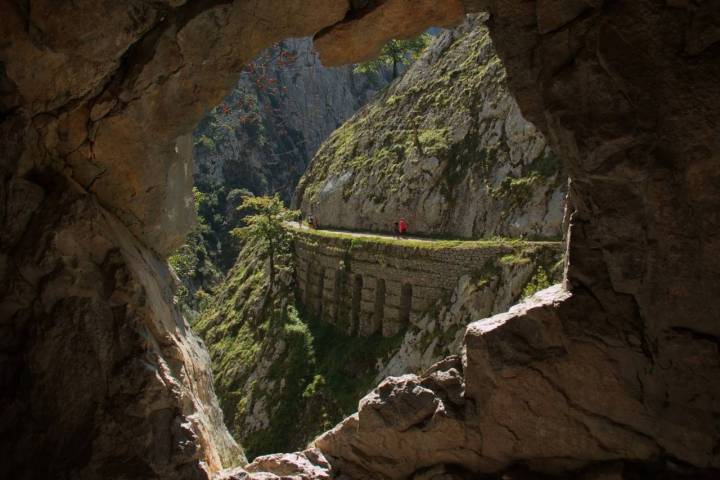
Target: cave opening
[(618, 364)]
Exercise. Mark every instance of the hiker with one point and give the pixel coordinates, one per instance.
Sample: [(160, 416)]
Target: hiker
[(402, 227), (396, 232), (300, 219)]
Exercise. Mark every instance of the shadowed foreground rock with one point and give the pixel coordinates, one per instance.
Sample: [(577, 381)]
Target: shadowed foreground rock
[(100, 378), (111, 381), (537, 388), (540, 388)]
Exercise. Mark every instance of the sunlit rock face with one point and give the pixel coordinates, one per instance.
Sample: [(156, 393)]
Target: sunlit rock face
[(101, 379), (372, 23), (446, 148)]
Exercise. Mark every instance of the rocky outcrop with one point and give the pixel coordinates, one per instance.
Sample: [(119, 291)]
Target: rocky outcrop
[(446, 148), (308, 465), (540, 387), (440, 330), (372, 23), (100, 374)]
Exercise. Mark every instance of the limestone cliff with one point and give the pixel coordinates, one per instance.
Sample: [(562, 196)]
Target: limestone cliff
[(445, 147), (263, 135)]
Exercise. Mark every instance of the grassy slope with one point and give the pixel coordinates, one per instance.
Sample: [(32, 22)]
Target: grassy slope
[(307, 374)]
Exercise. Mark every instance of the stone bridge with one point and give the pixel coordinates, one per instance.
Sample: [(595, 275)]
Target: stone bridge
[(367, 286)]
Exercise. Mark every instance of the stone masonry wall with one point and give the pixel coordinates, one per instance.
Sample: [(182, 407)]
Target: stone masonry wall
[(366, 287)]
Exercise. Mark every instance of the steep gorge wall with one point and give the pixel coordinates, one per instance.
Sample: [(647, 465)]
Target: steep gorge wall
[(445, 147), (263, 135)]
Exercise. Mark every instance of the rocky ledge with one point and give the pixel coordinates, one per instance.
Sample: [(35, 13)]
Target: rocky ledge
[(537, 392)]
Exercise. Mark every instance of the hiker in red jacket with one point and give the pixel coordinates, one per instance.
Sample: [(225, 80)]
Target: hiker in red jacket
[(402, 227)]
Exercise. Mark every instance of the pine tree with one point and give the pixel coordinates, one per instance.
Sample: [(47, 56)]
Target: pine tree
[(396, 53), (266, 225)]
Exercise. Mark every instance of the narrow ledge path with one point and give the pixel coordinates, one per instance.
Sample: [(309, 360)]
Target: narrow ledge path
[(410, 240)]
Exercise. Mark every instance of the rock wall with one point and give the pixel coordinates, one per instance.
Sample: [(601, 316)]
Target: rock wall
[(446, 148), (263, 135), (100, 375), (367, 286)]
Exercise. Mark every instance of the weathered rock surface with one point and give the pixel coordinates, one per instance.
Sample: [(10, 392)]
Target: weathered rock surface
[(627, 93), (308, 465), (100, 374), (446, 148), (368, 28), (439, 332), (116, 111), (540, 386), (264, 134)]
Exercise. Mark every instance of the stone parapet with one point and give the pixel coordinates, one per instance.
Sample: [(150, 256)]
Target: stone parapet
[(367, 286)]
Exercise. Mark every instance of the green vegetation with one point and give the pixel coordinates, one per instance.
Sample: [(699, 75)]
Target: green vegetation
[(266, 225), (514, 259), (432, 243), (326, 372), (306, 373), (540, 281), (193, 263), (394, 54)]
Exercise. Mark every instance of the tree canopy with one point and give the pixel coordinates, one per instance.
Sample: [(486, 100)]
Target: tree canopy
[(266, 225), (396, 53)]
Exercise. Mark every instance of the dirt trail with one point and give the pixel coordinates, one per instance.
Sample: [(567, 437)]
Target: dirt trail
[(363, 234)]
